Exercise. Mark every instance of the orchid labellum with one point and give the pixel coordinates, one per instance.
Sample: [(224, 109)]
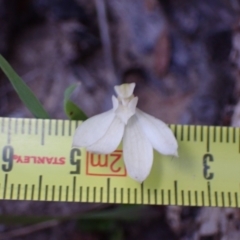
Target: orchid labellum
[(139, 132)]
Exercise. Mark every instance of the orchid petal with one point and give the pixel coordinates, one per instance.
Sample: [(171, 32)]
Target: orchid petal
[(110, 141), (158, 133), (125, 90), (94, 128), (137, 151), (115, 103)]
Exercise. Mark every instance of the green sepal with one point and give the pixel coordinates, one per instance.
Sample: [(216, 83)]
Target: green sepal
[(72, 111)]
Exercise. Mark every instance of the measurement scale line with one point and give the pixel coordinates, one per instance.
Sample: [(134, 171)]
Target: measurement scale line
[(221, 134), (108, 190), (234, 135), (56, 128), (149, 196), (209, 194), (11, 191), (60, 193), (115, 195), (176, 192), (36, 127), (162, 196), (203, 199), (236, 199), (214, 134), (135, 196), (53, 192), (5, 186), (182, 133), (223, 200), (50, 127), (67, 190), (39, 187), (128, 195), (46, 192), (43, 133), (155, 197), (9, 132), (18, 191), (208, 139), (101, 194), (122, 195), (29, 126), (23, 126), (2, 125), (32, 193), (182, 193), (63, 127), (73, 189), (70, 128), (94, 194), (216, 199), (229, 199), (188, 133), (195, 133), (142, 192), (189, 198), (227, 135), (202, 133), (25, 191), (87, 193), (176, 132), (196, 198), (80, 194)]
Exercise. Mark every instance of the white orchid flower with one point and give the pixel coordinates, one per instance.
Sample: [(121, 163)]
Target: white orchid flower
[(140, 133)]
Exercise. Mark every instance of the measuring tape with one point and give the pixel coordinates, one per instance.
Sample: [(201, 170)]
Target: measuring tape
[(38, 163)]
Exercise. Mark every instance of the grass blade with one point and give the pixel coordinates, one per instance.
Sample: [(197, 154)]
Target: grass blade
[(23, 91)]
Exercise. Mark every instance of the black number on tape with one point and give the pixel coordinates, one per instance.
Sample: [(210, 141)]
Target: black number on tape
[(206, 159), (7, 157), (75, 162)]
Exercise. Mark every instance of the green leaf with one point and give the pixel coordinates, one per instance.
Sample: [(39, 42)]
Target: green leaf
[(122, 212), (23, 91), (102, 225), (127, 213), (71, 109)]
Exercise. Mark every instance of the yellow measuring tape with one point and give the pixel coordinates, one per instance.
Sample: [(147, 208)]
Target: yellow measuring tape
[(38, 163)]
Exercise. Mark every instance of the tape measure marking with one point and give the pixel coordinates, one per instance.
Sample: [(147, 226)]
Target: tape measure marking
[(197, 178), (149, 201)]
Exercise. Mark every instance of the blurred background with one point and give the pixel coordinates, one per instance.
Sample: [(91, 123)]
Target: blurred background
[(183, 55)]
